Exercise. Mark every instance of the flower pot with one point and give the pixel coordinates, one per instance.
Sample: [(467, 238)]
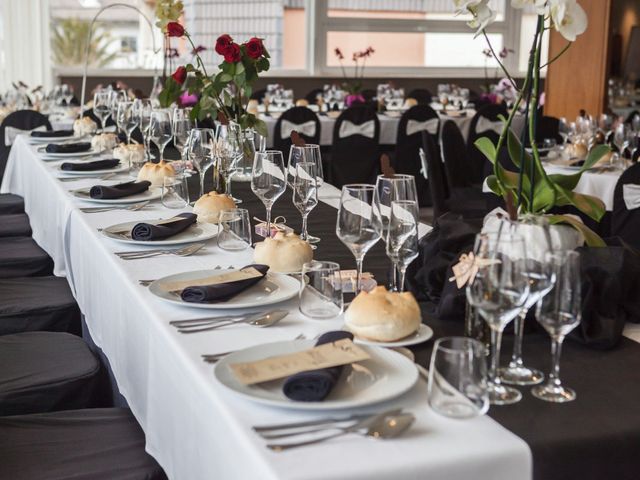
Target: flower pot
[(244, 164)]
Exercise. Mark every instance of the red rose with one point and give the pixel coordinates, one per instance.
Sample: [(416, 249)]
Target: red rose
[(232, 53), (222, 43), (180, 75), (174, 29), (254, 47)]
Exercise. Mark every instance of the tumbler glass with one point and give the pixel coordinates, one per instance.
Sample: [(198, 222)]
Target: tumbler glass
[(175, 191), (321, 290), (234, 232)]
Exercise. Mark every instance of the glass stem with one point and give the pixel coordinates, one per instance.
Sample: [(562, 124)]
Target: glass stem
[(496, 340), (359, 274), (129, 138), (227, 184), (304, 235), (269, 220), (394, 276), (201, 174), (518, 328), (556, 350), (162, 152), (403, 274)]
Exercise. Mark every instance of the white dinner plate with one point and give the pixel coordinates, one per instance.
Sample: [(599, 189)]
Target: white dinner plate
[(386, 375), (565, 165), (58, 156), (152, 194), (274, 288), (421, 335), (92, 173), (198, 232), (39, 140)]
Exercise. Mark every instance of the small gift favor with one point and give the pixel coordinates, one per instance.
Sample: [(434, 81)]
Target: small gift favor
[(348, 278), (278, 225)]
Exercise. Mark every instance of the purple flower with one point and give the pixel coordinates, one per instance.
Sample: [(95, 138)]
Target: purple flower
[(187, 99), (353, 99)]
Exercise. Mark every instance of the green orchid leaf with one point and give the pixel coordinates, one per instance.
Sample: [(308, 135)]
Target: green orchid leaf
[(594, 156), (261, 127), (488, 149), (565, 181), (591, 238), (544, 198), (494, 185), (591, 206)]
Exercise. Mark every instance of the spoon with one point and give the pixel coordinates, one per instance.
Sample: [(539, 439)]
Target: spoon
[(381, 426), (262, 320)]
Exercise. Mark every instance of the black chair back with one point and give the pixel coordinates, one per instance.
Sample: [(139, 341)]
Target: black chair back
[(422, 96), (631, 115), (312, 96), (625, 221), (300, 119), (355, 151), (22, 120), (485, 123), (435, 176), (259, 95), (89, 113), (408, 142), (454, 155)]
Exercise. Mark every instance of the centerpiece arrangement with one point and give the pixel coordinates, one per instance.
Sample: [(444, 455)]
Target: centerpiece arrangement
[(353, 85)]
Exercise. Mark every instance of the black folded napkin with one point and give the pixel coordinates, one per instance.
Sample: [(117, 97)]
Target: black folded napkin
[(69, 147), (51, 133), (118, 191), (149, 231), (316, 385), (223, 291), (90, 166)]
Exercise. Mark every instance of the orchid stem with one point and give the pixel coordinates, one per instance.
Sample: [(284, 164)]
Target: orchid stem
[(504, 69)]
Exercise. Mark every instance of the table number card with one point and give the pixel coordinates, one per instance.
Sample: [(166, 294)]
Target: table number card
[(334, 354)]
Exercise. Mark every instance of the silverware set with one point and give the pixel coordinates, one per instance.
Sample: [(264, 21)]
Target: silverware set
[(261, 319), (180, 252), (132, 208)]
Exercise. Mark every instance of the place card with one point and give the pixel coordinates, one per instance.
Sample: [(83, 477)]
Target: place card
[(127, 231), (342, 352), (234, 276)]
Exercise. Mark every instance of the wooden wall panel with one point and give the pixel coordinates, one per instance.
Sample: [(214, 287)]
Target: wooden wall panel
[(578, 79)]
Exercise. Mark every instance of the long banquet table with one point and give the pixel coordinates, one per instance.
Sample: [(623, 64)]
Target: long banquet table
[(196, 429)]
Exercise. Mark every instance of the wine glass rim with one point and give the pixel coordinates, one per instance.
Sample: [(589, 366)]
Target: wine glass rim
[(306, 145), (358, 186), (395, 176), (437, 346)]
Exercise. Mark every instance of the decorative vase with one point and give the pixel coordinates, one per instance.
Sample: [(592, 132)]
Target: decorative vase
[(247, 138)]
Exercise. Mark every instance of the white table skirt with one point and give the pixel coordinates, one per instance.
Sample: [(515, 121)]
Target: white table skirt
[(194, 427)]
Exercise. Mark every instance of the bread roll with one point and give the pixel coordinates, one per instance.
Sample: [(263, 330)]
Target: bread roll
[(383, 316), (410, 102), (252, 106), (285, 252), (84, 126), (301, 102), (153, 172), (209, 206), (104, 141), (133, 153)]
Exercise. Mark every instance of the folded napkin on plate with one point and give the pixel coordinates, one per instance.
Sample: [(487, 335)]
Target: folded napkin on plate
[(168, 228), (69, 147), (222, 291), (52, 133), (315, 385), (90, 166), (120, 190)]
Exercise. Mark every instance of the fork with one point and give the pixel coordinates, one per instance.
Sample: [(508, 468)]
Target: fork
[(181, 252), (133, 208), (215, 357)]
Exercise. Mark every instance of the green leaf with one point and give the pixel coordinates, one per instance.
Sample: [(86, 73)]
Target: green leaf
[(494, 185), (544, 197), (223, 77), (261, 127), (591, 206), (239, 68), (169, 93), (595, 154), (488, 149), (565, 181), (591, 238)]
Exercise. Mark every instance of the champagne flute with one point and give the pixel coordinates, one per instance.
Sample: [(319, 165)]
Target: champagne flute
[(102, 106), (498, 291), (559, 312), (127, 119), (200, 151), (305, 192), (356, 224), (117, 96), (228, 150), (143, 111), (305, 153), (268, 179), (402, 236), (160, 129), (182, 125)]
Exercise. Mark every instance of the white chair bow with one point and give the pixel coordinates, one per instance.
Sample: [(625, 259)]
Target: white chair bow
[(366, 129), (306, 128), (484, 125), (631, 195), (415, 126), (10, 133)]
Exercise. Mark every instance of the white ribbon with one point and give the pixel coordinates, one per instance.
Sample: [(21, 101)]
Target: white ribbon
[(423, 161), (306, 128), (10, 133), (366, 129), (631, 195), (484, 124), (414, 126)]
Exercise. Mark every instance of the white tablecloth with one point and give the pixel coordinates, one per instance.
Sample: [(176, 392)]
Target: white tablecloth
[(194, 427)]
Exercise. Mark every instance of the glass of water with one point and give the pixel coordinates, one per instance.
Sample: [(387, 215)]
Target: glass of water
[(175, 191), (321, 290), (234, 232)]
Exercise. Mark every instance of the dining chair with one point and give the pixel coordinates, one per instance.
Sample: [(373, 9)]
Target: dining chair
[(23, 257), (299, 119), (18, 122), (15, 225), (422, 96), (625, 219), (454, 155), (485, 123)]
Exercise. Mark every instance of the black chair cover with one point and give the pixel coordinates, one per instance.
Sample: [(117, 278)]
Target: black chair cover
[(22, 257), (435, 176), (15, 225), (479, 163), (89, 113), (312, 96), (259, 95), (368, 94), (546, 127), (631, 115), (10, 203), (455, 158), (24, 120), (626, 223), (355, 158), (298, 116), (37, 304), (44, 372), (422, 95), (88, 444), (408, 143)]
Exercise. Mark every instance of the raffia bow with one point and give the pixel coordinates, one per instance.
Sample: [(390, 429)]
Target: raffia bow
[(465, 271), (279, 223)]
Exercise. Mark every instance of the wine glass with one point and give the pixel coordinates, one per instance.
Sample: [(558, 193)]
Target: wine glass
[(389, 189), (305, 153), (621, 137), (559, 312), (102, 106), (498, 291), (143, 109), (356, 224), (181, 127), (160, 129), (228, 150), (127, 119), (402, 236), (305, 192), (268, 179), (200, 151), (117, 96), (66, 92)]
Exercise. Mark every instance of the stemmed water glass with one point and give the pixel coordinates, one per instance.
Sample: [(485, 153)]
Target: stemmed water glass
[(66, 92), (127, 119), (182, 125), (356, 224), (102, 106), (228, 150), (200, 151), (498, 291), (402, 236), (305, 192), (143, 109), (160, 131), (268, 179), (390, 189), (559, 312), (309, 153), (116, 97), (621, 137)]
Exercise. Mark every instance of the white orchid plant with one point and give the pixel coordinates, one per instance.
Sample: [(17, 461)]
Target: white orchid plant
[(531, 190)]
